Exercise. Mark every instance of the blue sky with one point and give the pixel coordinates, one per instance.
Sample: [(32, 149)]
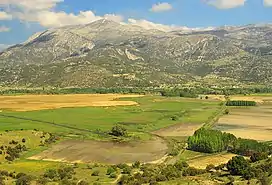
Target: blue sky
[(20, 20)]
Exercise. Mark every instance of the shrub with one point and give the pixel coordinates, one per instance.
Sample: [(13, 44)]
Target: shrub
[(257, 156), (51, 173), (118, 131), (110, 170), (95, 173), (113, 175), (238, 165), (210, 167), (24, 180), (127, 170), (136, 164)]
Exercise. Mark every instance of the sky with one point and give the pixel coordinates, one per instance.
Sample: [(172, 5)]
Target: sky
[(19, 19)]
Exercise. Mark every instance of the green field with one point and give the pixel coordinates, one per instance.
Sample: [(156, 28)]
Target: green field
[(153, 113)]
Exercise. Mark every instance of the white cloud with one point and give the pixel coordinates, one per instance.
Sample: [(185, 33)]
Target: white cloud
[(4, 29), (5, 16), (226, 4), (28, 5), (162, 27), (268, 2), (161, 7), (42, 12), (150, 25)]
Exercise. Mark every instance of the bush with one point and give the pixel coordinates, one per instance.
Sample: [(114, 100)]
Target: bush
[(24, 180), (95, 173), (210, 167), (51, 173), (238, 165), (127, 170), (110, 170), (113, 175), (257, 156), (137, 164), (118, 131)]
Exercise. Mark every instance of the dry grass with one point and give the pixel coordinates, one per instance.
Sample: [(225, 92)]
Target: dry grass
[(256, 98), (104, 152), (41, 102), (249, 123), (217, 159)]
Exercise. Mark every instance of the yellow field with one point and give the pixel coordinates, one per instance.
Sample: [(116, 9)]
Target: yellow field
[(256, 98), (250, 123), (203, 161), (41, 102)]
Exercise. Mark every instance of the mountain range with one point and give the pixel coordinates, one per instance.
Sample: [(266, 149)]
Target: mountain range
[(109, 54)]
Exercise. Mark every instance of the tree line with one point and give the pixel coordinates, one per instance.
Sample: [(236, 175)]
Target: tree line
[(212, 141), (181, 91), (240, 103)]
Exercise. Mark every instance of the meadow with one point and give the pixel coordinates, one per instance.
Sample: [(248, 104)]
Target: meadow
[(151, 113)]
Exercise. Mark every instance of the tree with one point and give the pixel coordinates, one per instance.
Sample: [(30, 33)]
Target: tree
[(265, 181), (118, 131), (24, 180), (110, 170), (238, 165), (51, 173), (136, 164), (257, 156)]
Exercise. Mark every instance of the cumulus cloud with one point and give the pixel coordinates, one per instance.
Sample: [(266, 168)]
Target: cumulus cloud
[(150, 25), (161, 7), (42, 12), (5, 16), (4, 29), (28, 5), (268, 2), (226, 4)]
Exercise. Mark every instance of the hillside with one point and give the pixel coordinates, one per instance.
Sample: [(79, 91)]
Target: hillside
[(108, 54)]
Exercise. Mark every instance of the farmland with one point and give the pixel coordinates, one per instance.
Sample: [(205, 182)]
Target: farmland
[(249, 122), (80, 126)]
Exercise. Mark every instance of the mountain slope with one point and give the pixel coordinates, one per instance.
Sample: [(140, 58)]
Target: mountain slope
[(108, 54)]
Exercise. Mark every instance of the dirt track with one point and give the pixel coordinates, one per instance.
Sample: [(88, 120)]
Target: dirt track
[(104, 152), (41, 102)]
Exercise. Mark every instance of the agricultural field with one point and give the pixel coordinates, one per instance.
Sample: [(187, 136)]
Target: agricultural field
[(62, 131), (87, 151), (42, 102), (248, 122)]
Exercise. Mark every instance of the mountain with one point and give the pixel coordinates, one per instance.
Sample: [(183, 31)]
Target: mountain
[(108, 54)]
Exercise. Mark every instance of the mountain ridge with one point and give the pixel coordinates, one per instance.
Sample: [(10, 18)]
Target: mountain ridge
[(108, 54)]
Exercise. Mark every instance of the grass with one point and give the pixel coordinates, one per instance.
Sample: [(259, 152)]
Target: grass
[(153, 112)]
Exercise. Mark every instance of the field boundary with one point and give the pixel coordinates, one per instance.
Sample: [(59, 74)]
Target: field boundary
[(48, 122)]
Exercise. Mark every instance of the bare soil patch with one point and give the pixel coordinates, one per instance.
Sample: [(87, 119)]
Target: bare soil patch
[(250, 123), (184, 129), (41, 102), (87, 151), (202, 162)]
